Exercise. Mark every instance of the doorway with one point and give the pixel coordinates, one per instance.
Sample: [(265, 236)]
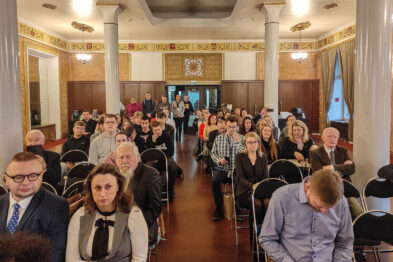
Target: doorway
[(200, 96)]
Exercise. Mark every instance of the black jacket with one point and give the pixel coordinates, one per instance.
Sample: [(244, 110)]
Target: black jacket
[(82, 143), (212, 136), (47, 215), (246, 174), (164, 143), (90, 126), (289, 148), (148, 107), (188, 109)]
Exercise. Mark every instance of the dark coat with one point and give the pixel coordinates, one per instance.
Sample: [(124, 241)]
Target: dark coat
[(320, 158), (47, 215), (289, 148), (245, 176), (53, 169)]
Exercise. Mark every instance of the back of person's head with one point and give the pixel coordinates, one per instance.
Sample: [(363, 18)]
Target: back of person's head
[(24, 247), (79, 123), (129, 131), (327, 185)]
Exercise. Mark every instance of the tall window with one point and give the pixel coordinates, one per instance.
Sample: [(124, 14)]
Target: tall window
[(338, 108)]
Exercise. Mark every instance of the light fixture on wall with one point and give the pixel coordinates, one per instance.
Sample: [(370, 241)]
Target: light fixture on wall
[(299, 56), (83, 57)]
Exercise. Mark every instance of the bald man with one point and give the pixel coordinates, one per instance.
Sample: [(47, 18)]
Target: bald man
[(331, 156)]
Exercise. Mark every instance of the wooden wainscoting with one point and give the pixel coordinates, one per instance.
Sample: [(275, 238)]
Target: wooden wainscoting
[(91, 95)]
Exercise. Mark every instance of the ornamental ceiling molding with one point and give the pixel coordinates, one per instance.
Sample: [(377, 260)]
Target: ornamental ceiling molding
[(51, 39)]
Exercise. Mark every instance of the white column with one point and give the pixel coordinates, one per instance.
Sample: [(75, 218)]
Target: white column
[(11, 133), (112, 84), (373, 83), (272, 13)]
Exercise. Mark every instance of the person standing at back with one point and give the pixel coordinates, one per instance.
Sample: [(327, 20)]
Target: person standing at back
[(178, 115), (148, 106), (188, 109)]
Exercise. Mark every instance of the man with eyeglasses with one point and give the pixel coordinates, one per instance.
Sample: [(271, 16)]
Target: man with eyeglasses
[(225, 148), (144, 182), (105, 143), (29, 207)]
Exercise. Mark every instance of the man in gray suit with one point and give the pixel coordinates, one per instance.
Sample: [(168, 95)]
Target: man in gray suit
[(29, 207)]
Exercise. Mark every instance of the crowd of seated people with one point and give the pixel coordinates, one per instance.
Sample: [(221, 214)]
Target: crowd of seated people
[(122, 195)]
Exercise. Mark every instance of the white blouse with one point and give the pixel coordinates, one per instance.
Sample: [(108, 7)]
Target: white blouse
[(138, 232)]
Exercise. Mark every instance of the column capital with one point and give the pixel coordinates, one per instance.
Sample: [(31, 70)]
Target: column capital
[(272, 11), (110, 12)]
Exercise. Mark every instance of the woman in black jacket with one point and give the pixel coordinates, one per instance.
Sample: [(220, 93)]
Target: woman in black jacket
[(251, 167)]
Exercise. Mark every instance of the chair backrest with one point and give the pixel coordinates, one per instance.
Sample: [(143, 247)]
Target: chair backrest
[(152, 154), (374, 225), (74, 156), (81, 170), (285, 170), (49, 187), (2, 190), (74, 189), (350, 190), (267, 187), (377, 187)]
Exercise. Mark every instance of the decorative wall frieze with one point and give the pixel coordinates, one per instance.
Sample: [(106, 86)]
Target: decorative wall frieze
[(345, 34)]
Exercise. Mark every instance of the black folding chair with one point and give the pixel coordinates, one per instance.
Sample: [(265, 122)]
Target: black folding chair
[(153, 154), (77, 173), (377, 187), (49, 187), (74, 189), (3, 190), (265, 188), (74, 156), (235, 216), (371, 228), (285, 170)]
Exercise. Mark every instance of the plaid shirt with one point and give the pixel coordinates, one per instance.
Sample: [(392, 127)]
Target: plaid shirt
[(225, 147)]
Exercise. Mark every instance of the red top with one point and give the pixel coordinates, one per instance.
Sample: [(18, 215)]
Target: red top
[(200, 131), (132, 108)]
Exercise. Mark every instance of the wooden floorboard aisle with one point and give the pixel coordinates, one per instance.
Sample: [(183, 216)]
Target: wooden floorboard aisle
[(191, 234)]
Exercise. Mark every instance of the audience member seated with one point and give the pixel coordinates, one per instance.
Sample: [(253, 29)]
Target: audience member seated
[(167, 128), (298, 144), (100, 128), (209, 144), (225, 148), (211, 126), (168, 120), (269, 145), (146, 131), (285, 130), (331, 156), (126, 123), (137, 121), (110, 227), (164, 104), (247, 125), (119, 121), (148, 106), (243, 112), (261, 123), (120, 138), (78, 140), (104, 144), (309, 221), (30, 207), (133, 107), (164, 142), (144, 183), (276, 131), (237, 112), (24, 247), (250, 168), (261, 115), (90, 123), (35, 141), (220, 113)]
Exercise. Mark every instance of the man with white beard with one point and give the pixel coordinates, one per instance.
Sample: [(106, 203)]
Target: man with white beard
[(144, 182)]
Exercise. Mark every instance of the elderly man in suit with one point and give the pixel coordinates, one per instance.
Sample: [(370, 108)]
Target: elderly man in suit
[(35, 141), (29, 207), (331, 156), (144, 182)]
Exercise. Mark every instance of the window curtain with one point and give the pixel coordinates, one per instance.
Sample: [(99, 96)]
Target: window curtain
[(346, 58), (328, 61)]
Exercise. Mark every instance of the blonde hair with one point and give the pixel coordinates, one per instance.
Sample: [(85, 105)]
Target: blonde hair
[(303, 126), (256, 137), (138, 114)]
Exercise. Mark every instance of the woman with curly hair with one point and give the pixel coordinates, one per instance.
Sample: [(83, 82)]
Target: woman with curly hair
[(109, 227), (247, 125)]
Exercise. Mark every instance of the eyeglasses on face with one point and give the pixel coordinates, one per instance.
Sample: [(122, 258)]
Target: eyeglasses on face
[(20, 178), (110, 122), (252, 142)]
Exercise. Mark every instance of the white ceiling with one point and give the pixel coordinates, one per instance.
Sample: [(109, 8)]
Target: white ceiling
[(242, 19)]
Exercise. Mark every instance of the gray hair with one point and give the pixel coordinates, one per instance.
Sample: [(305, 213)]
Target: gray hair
[(38, 132), (128, 145)]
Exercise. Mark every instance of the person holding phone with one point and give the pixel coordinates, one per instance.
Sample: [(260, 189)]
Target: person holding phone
[(225, 148)]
